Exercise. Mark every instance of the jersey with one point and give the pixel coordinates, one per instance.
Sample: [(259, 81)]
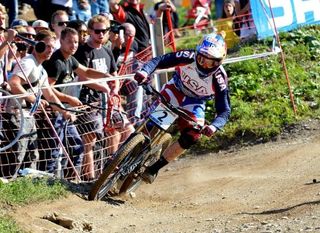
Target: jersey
[(62, 71), (99, 59), (189, 90), (35, 73)]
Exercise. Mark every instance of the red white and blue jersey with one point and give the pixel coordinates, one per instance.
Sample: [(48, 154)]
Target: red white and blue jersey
[(189, 90)]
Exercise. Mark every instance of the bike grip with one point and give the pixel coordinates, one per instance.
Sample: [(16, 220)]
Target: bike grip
[(148, 89)]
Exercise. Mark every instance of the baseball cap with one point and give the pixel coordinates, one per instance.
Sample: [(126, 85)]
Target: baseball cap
[(40, 24), (18, 23)]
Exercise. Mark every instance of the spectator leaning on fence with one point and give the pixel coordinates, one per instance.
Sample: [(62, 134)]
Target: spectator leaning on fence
[(94, 54), (63, 67), (29, 77)]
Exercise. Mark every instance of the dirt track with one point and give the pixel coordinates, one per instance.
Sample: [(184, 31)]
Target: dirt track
[(263, 188)]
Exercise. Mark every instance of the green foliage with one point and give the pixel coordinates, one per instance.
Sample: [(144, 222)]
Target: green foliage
[(7, 225), (28, 190), (25, 191), (260, 95)]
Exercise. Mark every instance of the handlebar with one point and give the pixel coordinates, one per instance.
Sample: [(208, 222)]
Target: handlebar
[(150, 90)]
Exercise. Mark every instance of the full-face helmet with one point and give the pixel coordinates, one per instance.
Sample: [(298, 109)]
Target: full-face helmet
[(210, 53)]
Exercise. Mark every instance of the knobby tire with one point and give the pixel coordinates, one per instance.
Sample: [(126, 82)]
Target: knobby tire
[(107, 180), (133, 182)]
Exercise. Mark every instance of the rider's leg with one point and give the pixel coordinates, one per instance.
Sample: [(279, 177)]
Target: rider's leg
[(172, 152), (187, 139)]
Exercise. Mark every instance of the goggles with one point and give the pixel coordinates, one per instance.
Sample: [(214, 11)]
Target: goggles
[(206, 62)]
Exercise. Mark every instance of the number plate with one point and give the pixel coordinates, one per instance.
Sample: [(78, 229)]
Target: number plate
[(163, 116)]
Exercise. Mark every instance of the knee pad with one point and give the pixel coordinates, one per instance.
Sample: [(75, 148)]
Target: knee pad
[(188, 138)]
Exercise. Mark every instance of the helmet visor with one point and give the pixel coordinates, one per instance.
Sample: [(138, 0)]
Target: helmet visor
[(208, 63)]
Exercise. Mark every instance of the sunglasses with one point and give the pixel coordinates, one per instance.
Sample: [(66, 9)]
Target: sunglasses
[(83, 32), (63, 23), (98, 31)]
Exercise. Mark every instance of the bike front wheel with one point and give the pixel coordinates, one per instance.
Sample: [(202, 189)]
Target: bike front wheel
[(134, 180), (112, 172)]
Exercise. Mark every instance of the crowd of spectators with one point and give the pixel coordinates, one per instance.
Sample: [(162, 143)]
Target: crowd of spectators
[(85, 40)]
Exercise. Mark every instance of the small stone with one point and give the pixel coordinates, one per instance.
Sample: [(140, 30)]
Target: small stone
[(132, 194)]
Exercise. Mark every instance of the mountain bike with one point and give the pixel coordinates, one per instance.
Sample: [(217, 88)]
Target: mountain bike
[(122, 174)]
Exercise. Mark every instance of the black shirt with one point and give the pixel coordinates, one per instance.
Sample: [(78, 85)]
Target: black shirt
[(100, 59), (61, 69), (139, 21)]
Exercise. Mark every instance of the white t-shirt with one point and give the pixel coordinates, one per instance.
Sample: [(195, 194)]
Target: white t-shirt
[(35, 73)]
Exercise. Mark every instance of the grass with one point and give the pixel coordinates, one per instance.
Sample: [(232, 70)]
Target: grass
[(7, 225), (26, 191)]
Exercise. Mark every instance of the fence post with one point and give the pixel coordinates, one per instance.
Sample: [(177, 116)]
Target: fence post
[(159, 42)]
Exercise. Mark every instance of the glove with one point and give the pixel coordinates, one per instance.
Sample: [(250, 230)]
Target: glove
[(141, 77), (209, 130)]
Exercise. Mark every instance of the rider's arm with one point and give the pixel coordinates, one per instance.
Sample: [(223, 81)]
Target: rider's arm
[(169, 60), (222, 100)]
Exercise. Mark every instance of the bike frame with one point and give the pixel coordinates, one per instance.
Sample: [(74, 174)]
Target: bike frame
[(141, 149)]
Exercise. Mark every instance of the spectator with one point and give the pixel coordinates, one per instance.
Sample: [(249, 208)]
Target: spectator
[(82, 10), (18, 23), (19, 50), (200, 13), (120, 40), (99, 6), (94, 54), (31, 33), (81, 28), (132, 12), (59, 21), (29, 71), (129, 88), (61, 69), (228, 24), (160, 8), (64, 5), (39, 25)]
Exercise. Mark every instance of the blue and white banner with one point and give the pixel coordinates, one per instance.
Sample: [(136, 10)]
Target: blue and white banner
[(288, 15)]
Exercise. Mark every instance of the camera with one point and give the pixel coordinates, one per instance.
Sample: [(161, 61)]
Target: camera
[(21, 46), (116, 28)]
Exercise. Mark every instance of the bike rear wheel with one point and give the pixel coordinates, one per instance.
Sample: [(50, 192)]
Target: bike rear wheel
[(111, 173), (134, 180)]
